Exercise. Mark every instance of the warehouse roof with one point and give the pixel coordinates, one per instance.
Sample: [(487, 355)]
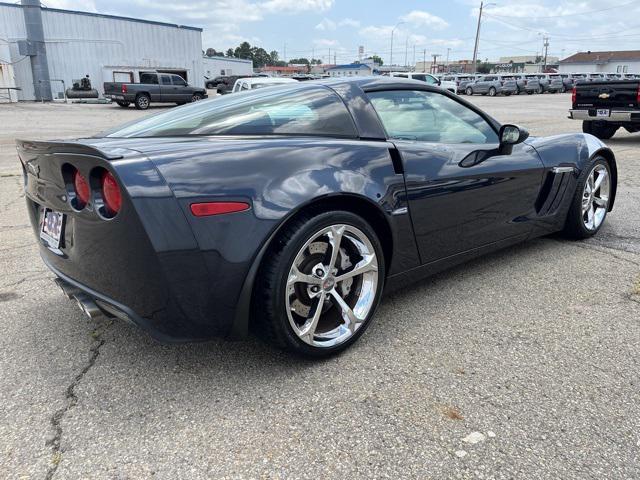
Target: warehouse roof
[(603, 57), (351, 66), (102, 15)]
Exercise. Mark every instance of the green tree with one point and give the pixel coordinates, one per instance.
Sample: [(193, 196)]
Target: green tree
[(243, 51), (230, 52), (376, 59), (211, 52), (260, 57)]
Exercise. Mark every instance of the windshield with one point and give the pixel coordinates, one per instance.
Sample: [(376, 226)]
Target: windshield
[(280, 110)]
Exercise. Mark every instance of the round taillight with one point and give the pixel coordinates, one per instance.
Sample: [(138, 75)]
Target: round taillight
[(111, 194), (81, 185)]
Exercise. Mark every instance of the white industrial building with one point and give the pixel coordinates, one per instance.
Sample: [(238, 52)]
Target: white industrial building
[(40, 48), (602, 62), (215, 66)]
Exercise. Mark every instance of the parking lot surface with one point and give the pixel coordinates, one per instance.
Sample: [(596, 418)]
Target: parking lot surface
[(523, 364)]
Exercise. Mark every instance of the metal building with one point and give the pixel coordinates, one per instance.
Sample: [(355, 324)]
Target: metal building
[(46, 59), (215, 66)]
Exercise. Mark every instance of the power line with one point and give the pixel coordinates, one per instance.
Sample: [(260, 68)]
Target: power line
[(570, 14)]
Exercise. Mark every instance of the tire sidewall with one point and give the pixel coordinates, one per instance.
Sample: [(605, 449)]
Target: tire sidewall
[(574, 219), (289, 254), (145, 106)]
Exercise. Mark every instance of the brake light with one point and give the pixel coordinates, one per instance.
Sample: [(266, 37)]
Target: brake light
[(81, 185), (124, 88), (574, 95), (111, 194), (638, 96), (206, 209)]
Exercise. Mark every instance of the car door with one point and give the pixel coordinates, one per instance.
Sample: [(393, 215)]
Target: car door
[(462, 193), (166, 88), (181, 91), (481, 85)]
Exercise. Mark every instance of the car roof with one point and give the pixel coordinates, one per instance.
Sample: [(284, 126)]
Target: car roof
[(252, 80)]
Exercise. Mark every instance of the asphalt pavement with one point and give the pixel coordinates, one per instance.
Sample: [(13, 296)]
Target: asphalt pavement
[(523, 364)]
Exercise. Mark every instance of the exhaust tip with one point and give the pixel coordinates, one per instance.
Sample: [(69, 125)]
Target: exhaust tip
[(87, 305), (68, 290)]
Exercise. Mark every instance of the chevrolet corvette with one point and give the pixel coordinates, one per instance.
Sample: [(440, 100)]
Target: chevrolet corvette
[(287, 211)]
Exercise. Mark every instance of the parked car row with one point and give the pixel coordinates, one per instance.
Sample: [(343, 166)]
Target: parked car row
[(530, 83)]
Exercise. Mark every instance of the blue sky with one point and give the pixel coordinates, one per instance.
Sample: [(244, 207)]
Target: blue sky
[(510, 27)]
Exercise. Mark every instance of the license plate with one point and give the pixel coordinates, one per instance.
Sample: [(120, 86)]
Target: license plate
[(52, 227), (602, 113)]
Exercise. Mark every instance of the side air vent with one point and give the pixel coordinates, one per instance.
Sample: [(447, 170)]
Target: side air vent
[(553, 190), (397, 161)]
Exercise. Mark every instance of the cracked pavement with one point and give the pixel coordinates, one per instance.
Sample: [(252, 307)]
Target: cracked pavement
[(521, 364)]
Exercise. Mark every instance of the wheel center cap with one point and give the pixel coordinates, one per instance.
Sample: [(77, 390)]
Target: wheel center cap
[(328, 284)]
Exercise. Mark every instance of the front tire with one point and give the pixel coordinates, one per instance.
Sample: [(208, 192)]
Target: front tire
[(590, 202), (321, 284), (469, 91), (123, 104), (492, 92)]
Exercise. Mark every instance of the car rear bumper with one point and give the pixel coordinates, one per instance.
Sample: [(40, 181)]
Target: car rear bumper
[(614, 116)]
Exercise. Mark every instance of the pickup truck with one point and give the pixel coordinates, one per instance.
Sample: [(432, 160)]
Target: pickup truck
[(153, 87), (604, 107)]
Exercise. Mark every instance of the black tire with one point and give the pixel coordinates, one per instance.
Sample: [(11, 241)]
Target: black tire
[(603, 131), (587, 126), (574, 227), (196, 97), (123, 104), (142, 101), (529, 92), (469, 91), (272, 323), (507, 94), (540, 90), (492, 92)]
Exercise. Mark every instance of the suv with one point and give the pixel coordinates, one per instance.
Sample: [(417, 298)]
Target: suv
[(425, 77), (485, 85), (460, 81)]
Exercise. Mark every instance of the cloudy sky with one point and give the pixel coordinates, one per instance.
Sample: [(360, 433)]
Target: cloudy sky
[(306, 27)]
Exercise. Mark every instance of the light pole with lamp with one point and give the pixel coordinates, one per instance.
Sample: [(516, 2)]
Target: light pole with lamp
[(393, 30)]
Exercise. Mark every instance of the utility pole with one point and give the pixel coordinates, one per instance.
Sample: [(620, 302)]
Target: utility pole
[(424, 61), (546, 52), (414, 57), (334, 58), (329, 61), (475, 48), (285, 52), (406, 48), (448, 52)]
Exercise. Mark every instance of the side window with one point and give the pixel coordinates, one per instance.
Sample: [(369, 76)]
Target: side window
[(165, 80), (178, 80), (149, 78), (431, 80), (421, 77), (403, 75), (430, 117)]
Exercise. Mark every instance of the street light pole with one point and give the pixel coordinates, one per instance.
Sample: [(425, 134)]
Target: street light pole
[(393, 30)]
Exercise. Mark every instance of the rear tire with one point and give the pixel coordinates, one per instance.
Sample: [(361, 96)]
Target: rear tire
[(123, 104), (469, 91), (196, 97), (142, 101), (603, 132), (588, 209), (286, 303)]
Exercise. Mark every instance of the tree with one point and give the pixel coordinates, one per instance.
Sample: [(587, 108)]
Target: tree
[(484, 68), (376, 59), (211, 52), (274, 56), (243, 51), (260, 57), (230, 52)]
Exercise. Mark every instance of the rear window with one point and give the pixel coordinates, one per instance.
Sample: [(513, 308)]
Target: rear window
[(269, 111)]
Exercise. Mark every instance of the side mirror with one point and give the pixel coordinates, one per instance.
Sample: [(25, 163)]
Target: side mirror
[(439, 83), (511, 135)]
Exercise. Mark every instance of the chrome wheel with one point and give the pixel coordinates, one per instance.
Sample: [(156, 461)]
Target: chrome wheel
[(595, 197), (331, 287)]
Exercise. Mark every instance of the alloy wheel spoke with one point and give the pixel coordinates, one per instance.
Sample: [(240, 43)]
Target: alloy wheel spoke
[(601, 178), (309, 328), (367, 264), (347, 312), (600, 202), (591, 217), (335, 238), (296, 276)]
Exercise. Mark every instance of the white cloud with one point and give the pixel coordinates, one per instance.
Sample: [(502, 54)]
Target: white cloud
[(326, 24), (420, 18), (295, 6), (325, 42), (330, 25)]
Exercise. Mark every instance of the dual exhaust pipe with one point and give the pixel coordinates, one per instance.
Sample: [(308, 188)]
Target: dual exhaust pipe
[(84, 301)]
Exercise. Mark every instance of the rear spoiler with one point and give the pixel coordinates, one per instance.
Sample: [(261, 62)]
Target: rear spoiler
[(68, 146)]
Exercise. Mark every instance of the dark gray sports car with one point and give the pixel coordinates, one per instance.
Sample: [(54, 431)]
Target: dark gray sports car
[(288, 210)]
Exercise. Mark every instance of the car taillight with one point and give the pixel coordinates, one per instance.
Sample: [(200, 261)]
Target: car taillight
[(206, 209), (124, 88), (574, 95), (638, 96), (111, 194), (81, 186)]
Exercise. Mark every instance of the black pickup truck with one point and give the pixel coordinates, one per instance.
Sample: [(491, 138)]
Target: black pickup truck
[(604, 107), (153, 87)]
